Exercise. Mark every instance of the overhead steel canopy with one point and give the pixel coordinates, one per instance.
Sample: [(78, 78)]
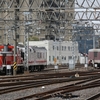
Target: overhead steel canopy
[(84, 10), (54, 16), (38, 3)]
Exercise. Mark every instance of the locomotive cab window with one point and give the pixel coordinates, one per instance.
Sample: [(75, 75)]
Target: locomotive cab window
[(95, 54)]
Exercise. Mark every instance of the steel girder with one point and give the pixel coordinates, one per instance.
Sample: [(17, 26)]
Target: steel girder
[(50, 10)]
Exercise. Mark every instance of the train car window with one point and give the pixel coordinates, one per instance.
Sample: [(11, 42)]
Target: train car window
[(34, 51), (37, 55), (40, 55), (95, 54), (43, 55)]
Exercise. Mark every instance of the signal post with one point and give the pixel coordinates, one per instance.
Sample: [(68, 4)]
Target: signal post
[(14, 68), (55, 65)]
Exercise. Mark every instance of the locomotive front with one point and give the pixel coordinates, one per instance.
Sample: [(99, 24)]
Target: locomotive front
[(6, 58)]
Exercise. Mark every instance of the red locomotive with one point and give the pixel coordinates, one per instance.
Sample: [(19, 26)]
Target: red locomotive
[(37, 59)]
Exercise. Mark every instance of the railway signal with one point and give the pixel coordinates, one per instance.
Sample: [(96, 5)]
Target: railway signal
[(14, 66)]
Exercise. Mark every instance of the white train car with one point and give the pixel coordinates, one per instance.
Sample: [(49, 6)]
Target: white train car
[(36, 58)]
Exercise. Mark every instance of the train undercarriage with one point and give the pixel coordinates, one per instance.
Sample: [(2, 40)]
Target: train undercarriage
[(20, 69), (95, 65)]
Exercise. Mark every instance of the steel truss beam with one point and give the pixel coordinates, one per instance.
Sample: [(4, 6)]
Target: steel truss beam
[(37, 4), (57, 12), (48, 9), (9, 18), (80, 15)]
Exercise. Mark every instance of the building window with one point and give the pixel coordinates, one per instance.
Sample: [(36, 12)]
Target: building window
[(65, 58), (53, 47), (49, 58), (57, 58), (65, 47), (75, 57), (72, 48), (69, 57), (53, 58), (62, 48), (80, 45), (69, 48), (57, 48)]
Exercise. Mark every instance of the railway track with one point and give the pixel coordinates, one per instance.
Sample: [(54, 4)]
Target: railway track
[(22, 82), (16, 86), (46, 76), (93, 97), (95, 82)]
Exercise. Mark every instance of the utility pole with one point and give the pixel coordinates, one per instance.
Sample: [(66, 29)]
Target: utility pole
[(93, 39), (26, 47), (15, 39), (26, 44), (73, 51), (59, 35)]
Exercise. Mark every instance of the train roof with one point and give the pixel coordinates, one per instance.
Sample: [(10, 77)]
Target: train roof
[(95, 50), (35, 47), (21, 45)]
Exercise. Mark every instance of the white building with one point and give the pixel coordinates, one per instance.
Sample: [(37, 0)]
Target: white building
[(61, 51)]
